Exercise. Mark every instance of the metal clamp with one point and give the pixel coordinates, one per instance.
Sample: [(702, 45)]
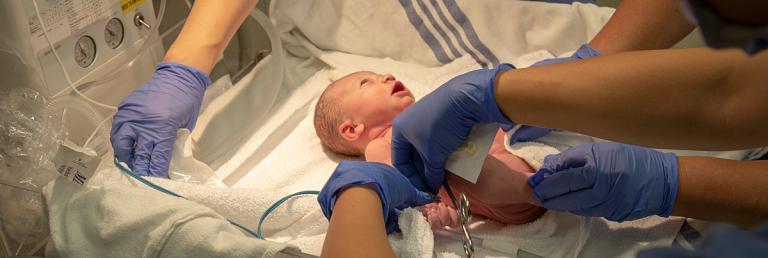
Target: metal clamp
[(465, 215)]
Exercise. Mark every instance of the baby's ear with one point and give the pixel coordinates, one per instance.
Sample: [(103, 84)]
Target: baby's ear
[(351, 131)]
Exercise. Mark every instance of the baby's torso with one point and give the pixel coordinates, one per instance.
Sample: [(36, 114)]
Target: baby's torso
[(494, 185)]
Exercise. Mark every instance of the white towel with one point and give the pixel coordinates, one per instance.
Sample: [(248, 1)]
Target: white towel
[(122, 221), (433, 33)]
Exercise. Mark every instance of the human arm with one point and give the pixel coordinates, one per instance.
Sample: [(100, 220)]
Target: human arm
[(145, 124), (723, 190), (680, 98), (622, 182), (356, 228), (207, 31), (394, 190), (642, 25), (667, 27)]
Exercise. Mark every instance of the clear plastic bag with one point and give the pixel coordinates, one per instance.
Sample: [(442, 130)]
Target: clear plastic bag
[(184, 167), (29, 139)]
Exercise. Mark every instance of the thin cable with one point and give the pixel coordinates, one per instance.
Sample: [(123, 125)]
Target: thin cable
[(93, 134), (266, 213), (3, 239), (39, 246), (18, 250), (70, 83), (277, 204), (146, 41), (106, 77), (144, 181)]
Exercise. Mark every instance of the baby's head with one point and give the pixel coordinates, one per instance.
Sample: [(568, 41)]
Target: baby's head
[(357, 108)]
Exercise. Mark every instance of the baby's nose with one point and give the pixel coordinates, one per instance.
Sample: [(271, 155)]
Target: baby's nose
[(387, 77)]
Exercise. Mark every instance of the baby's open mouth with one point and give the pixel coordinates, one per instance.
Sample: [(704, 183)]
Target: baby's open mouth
[(398, 87)]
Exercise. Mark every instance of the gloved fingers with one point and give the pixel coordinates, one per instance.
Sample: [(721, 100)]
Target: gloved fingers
[(528, 133), (403, 160), (574, 157), (567, 190), (123, 141), (422, 198), (391, 221), (160, 159), (434, 176), (143, 157), (571, 158)]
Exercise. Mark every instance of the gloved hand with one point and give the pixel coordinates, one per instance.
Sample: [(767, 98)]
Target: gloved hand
[(584, 52), (394, 190), (144, 127), (617, 181), (426, 133)]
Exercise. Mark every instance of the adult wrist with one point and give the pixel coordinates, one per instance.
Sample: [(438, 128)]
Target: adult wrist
[(200, 56), (671, 183), (192, 75), (492, 105)]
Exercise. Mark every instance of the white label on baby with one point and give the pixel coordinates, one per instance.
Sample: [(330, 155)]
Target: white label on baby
[(76, 164), (467, 161)]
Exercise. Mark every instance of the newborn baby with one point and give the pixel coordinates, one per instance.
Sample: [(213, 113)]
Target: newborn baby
[(354, 117)]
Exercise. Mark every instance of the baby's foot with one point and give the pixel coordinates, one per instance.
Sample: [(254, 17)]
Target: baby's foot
[(440, 215)]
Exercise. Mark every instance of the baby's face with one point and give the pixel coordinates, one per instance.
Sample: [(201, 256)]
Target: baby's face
[(373, 98)]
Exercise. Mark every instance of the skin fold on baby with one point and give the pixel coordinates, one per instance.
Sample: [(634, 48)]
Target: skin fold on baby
[(354, 117)]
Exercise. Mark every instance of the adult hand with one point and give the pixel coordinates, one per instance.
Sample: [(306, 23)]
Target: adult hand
[(584, 52), (144, 127), (616, 181), (394, 190), (426, 133)]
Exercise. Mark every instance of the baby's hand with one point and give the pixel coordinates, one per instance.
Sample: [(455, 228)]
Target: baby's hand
[(440, 215)]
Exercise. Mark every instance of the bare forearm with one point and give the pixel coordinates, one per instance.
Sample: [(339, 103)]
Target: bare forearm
[(642, 25), (207, 31), (680, 98), (357, 226), (723, 190)]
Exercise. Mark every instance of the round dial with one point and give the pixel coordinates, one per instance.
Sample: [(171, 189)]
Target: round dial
[(85, 51), (113, 33)]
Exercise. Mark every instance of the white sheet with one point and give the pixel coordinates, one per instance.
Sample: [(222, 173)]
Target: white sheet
[(311, 167), (289, 157), (282, 155)]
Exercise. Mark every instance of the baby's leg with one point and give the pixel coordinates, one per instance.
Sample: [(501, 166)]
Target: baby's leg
[(515, 214), (503, 178), (501, 192)]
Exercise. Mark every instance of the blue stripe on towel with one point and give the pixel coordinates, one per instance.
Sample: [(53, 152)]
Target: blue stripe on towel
[(456, 33), (427, 36), (438, 28), (466, 25)]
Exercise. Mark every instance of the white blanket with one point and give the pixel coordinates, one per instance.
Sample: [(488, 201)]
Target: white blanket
[(436, 40), (555, 235), (435, 32)]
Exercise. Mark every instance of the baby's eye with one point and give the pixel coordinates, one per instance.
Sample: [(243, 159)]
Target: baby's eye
[(364, 81)]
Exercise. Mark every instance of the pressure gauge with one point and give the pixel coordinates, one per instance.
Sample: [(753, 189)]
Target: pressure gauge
[(113, 33), (85, 51)]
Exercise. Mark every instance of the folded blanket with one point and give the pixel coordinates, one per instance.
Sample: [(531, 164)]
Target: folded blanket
[(117, 220)]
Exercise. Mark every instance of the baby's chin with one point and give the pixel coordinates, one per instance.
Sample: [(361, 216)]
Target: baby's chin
[(408, 101)]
